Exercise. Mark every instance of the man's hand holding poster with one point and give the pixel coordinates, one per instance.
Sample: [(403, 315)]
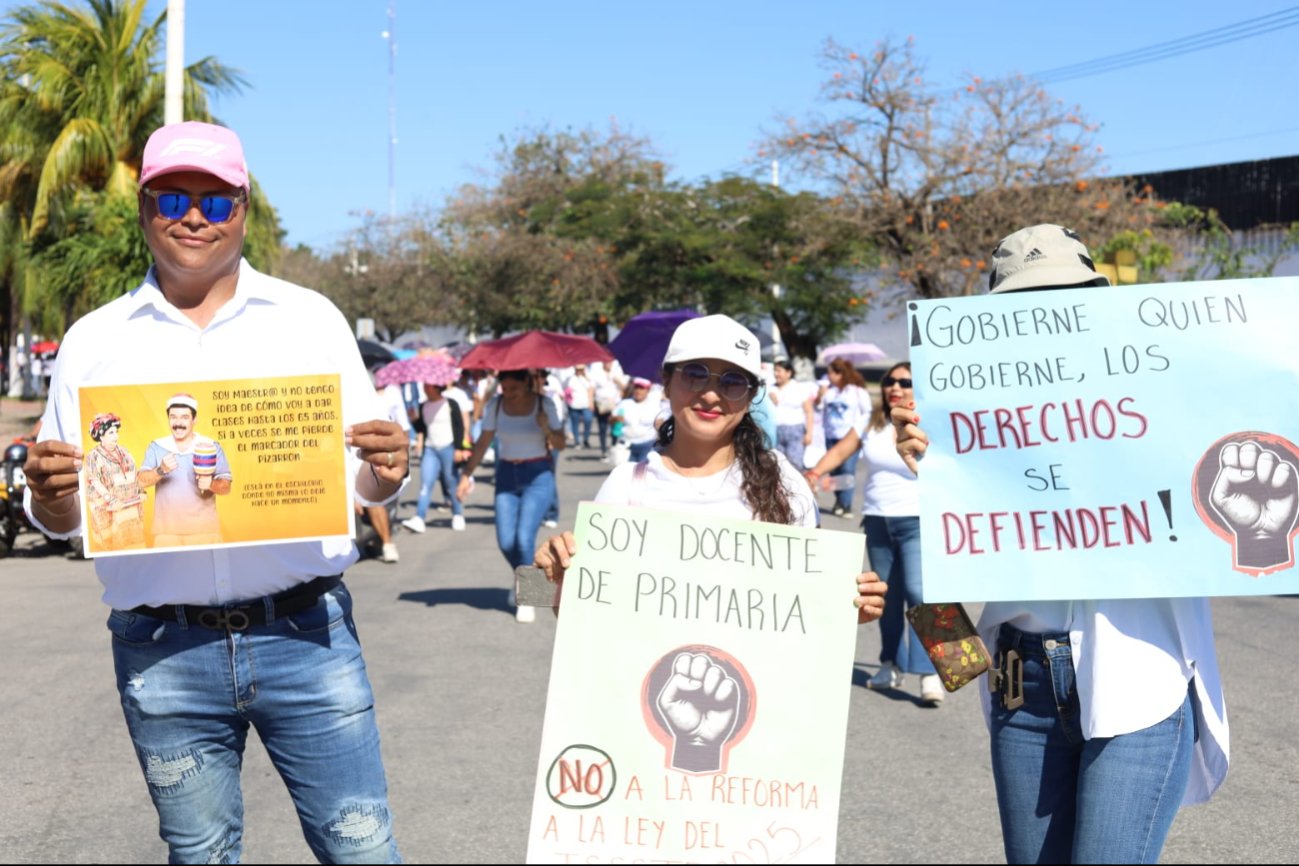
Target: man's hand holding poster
[(211, 464), (699, 692), (1125, 442)]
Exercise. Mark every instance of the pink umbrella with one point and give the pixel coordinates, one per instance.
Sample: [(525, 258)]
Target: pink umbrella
[(431, 369), (853, 353)]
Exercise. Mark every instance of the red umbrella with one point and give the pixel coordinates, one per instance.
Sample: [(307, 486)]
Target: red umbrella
[(535, 349), (45, 347)]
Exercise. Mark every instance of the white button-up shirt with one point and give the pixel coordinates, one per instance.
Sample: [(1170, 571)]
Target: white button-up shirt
[(269, 328)]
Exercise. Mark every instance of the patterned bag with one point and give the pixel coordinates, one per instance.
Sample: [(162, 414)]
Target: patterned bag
[(958, 653)]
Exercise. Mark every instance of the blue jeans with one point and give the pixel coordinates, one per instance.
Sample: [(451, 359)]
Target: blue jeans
[(190, 695), (438, 464), (1064, 799), (523, 493), (789, 439), (552, 510), (893, 544), (638, 451), (580, 418), (843, 498)]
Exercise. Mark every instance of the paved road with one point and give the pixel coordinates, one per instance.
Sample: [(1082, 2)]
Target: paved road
[(460, 689)]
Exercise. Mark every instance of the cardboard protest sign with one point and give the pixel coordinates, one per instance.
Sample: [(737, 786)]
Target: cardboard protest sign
[(1122, 442), (698, 693), (212, 464)]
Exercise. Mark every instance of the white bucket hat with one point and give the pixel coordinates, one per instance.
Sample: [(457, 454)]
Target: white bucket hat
[(719, 337), (1042, 257)]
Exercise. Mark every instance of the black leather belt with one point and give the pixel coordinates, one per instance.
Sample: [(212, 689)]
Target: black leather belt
[(237, 617)]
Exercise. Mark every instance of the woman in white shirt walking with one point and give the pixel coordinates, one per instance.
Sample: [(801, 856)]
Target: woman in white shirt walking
[(891, 521), (844, 404), (712, 457)]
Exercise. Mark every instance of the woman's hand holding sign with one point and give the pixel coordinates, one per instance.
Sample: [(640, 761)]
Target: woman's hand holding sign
[(912, 441)]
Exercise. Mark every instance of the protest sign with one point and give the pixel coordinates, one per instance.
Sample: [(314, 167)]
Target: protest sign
[(698, 692), (212, 464), (1121, 442)]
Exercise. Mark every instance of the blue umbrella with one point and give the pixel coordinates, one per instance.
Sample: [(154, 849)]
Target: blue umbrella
[(643, 341)]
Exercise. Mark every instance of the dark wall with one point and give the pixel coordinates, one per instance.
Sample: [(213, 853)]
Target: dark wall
[(1245, 194)]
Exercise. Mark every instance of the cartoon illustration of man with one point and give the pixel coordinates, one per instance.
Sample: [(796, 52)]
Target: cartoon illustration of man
[(189, 471)]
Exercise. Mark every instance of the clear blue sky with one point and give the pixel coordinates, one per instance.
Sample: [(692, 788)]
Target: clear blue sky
[(700, 78)]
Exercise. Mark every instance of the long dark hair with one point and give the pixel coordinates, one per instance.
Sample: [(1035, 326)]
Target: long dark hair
[(761, 485)]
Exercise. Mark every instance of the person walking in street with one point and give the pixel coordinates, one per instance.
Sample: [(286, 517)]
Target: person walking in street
[(891, 521), (210, 643), (845, 403), (579, 397), (1107, 715), (794, 402), (712, 458), (444, 420), (638, 416), (394, 403), (527, 428)]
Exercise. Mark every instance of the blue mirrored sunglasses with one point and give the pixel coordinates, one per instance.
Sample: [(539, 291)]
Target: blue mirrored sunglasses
[(215, 208)]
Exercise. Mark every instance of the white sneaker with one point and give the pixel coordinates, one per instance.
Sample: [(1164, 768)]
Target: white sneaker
[(550, 523), (458, 522), (389, 553), (931, 690), (414, 524), (525, 613), (889, 677)]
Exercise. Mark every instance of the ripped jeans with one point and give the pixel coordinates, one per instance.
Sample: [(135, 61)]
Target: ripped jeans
[(190, 695)]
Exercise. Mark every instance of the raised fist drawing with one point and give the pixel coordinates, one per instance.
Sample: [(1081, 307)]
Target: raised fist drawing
[(699, 703), (1257, 494)]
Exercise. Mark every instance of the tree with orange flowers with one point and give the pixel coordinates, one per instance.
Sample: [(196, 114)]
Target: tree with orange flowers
[(936, 176)]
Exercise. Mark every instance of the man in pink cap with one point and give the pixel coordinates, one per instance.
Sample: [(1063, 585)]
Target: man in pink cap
[(208, 642)]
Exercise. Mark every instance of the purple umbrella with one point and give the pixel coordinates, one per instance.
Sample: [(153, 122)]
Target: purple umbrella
[(643, 341)]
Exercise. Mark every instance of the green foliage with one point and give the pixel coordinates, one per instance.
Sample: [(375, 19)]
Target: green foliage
[(102, 256), (81, 90)]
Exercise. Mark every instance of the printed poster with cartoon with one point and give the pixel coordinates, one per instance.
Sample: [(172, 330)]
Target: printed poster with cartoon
[(212, 464), (1121, 442), (699, 689)]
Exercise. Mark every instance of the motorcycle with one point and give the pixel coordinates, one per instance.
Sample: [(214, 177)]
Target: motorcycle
[(12, 484)]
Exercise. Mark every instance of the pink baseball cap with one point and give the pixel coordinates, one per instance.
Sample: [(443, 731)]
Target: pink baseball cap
[(195, 146)]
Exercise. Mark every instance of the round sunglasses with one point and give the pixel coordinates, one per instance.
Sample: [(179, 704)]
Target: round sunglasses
[(732, 385), (215, 207)]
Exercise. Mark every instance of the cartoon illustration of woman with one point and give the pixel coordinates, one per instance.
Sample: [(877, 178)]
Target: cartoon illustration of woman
[(114, 499)]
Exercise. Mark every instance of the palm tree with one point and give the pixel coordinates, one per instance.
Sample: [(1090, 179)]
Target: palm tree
[(81, 89)]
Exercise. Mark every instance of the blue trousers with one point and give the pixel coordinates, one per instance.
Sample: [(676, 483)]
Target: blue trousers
[(1064, 799), (847, 467), (438, 464), (523, 493), (893, 544), (190, 694)]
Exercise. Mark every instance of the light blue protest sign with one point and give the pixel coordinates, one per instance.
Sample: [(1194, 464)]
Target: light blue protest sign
[(1120, 442)]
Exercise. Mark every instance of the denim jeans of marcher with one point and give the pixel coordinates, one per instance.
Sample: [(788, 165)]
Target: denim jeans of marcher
[(190, 694), (893, 544), (848, 467), (638, 451), (1064, 799), (789, 439), (438, 464), (523, 493), (579, 421)]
